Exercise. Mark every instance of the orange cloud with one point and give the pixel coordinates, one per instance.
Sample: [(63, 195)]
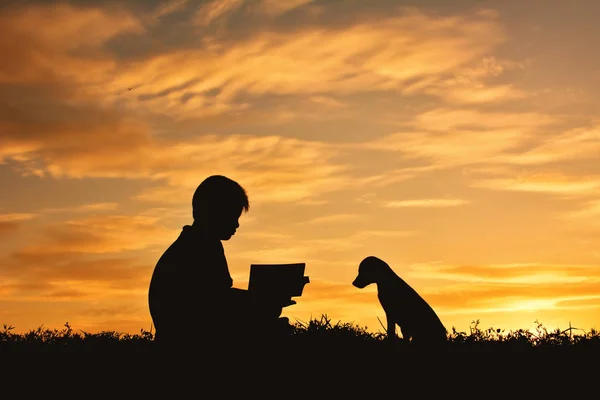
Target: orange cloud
[(385, 178), (49, 52), (16, 217), (168, 7), (587, 215), (77, 134), (99, 234), (382, 54), (488, 298), (90, 142), (426, 203), (465, 119), (449, 138), (276, 7), (215, 9), (477, 94), (580, 303), (76, 258), (508, 273), (38, 289), (543, 183), (327, 219), (12, 222), (460, 137), (28, 271), (276, 246), (572, 144), (85, 208), (85, 136), (469, 85)]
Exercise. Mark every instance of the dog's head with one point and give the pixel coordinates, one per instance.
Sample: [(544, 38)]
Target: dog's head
[(369, 271)]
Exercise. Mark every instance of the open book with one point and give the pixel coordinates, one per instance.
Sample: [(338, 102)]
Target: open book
[(284, 280)]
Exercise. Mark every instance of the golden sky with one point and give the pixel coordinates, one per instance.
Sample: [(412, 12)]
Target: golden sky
[(458, 141)]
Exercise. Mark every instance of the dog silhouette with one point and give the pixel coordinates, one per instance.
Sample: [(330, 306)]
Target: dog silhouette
[(403, 306)]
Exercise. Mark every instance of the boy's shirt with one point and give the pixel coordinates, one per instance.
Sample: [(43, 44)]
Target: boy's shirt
[(190, 284)]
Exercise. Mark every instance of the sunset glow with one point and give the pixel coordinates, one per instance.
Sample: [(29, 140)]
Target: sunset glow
[(458, 141)]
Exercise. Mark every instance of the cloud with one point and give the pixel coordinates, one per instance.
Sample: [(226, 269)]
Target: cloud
[(479, 94), (589, 302), (386, 53), (12, 221), (526, 273), (86, 208), (446, 120), (469, 85), (452, 148), (385, 178), (372, 233), (268, 246), (261, 235), (427, 203), (81, 137), (81, 263), (49, 52), (92, 314), (485, 299), (276, 7), (76, 135), (467, 136), (31, 271), (587, 215), (327, 102), (328, 219), (454, 137), (573, 144), (215, 9), (16, 217), (169, 7), (78, 142), (102, 130), (271, 168), (553, 183), (99, 234), (36, 289), (580, 189)]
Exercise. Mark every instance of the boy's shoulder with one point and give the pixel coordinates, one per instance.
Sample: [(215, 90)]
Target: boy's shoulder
[(190, 245)]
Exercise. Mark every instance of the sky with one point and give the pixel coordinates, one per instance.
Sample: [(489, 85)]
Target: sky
[(457, 141)]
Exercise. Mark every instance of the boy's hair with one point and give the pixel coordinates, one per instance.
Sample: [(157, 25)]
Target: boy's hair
[(217, 192)]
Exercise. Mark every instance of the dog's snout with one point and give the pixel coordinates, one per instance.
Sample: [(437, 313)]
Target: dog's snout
[(359, 282)]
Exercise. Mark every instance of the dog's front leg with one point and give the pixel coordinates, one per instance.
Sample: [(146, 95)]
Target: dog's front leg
[(391, 327)]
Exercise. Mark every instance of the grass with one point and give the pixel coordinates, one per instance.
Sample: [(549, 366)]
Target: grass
[(320, 358), (317, 334)]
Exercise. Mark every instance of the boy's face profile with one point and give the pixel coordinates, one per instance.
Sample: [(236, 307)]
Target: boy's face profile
[(224, 222)]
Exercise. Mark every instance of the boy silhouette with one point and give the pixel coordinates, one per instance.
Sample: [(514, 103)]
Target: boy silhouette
[(191, 296)]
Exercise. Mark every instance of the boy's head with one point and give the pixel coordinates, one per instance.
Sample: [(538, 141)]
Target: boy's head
[(218, 203)]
